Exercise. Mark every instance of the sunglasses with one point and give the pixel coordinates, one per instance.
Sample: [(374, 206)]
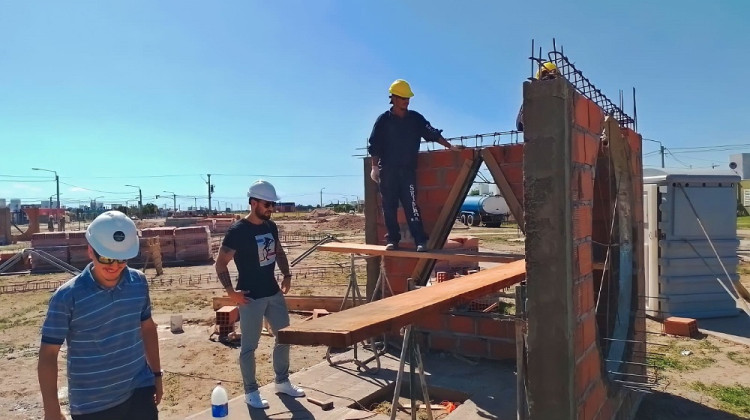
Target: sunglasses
[(267, 204), (108, 261)]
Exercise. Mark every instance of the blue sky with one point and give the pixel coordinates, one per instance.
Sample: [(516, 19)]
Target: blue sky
[(159, 94)]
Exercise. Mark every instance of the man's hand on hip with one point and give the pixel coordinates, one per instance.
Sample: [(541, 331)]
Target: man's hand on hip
[(238, 297)]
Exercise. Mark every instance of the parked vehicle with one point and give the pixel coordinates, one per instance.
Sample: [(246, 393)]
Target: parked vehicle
[(486, 210)]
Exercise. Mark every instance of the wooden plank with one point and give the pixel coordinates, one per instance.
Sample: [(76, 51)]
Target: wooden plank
[(297, 303), (447, 216), (437, 254), (497, 173), (345, 328)]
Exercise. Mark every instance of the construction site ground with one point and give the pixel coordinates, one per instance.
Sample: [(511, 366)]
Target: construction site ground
[(704, 377)]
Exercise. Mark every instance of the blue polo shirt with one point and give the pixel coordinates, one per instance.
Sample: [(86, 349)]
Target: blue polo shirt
[(106, 356), (395, 140)]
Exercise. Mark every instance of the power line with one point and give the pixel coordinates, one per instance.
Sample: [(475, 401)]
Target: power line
[(25, 176), (287, 176), (678, 160), (716, 146), (91, 189)]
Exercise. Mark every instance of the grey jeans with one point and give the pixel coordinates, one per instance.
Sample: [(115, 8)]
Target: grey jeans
[(251, 323)]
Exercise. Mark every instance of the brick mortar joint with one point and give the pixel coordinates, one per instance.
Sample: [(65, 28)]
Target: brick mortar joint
[(592, 347), (589, 389), (583, 278), (584, 240), (585, 167)]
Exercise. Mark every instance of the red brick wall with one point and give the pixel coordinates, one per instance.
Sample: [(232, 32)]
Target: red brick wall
[(437, 171), (592, 192)]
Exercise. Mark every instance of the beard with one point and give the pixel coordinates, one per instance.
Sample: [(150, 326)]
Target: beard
[(261, 213)]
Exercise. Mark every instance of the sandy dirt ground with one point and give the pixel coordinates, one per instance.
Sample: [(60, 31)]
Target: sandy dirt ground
[(193, 362)]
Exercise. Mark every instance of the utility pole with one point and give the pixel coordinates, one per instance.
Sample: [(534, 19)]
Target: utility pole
[(140, 199), (661, 150), (57, 183), (210, 190), (174, 200)]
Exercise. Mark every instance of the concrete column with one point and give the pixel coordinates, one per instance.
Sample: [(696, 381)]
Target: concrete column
[(547, 107)]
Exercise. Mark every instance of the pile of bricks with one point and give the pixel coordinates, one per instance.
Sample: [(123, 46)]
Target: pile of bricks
[(192, 244), (226, 317), (21, 265), (222, 225), (166, 241), (78, 249), (53, 243)]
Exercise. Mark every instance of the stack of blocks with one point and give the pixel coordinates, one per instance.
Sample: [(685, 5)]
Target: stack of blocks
[(226, 317)]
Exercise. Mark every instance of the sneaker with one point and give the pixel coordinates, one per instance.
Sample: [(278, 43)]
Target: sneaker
[(390, 246), (421, 248), (253, 399), (289, 389)]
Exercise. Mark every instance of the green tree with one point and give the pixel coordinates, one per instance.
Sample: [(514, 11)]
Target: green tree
[(475, 191), (150, 209)]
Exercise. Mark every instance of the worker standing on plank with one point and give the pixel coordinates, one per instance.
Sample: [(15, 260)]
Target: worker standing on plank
[(547, 71), (394, 145), (253, 243), (104, 315)]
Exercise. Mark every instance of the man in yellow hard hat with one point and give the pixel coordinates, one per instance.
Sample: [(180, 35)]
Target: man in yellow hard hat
[(394, 145), (547, 71)]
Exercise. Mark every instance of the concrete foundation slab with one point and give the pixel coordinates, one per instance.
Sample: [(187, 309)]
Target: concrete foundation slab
[(489, 386)]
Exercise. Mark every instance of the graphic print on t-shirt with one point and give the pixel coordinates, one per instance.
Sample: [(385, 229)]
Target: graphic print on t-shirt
[(266, 249)]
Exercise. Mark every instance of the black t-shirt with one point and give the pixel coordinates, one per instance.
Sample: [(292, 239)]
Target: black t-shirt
[(395, 140), (254, 256)]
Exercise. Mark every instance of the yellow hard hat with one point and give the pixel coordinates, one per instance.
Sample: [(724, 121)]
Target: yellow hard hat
[(401, 88), (546, 67)]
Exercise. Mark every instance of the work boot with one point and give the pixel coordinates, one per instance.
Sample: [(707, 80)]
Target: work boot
[(255, 400), (287, 388), (390, 246), (421, 248)]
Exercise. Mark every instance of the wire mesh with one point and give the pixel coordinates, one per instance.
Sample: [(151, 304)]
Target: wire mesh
[(582, 84)]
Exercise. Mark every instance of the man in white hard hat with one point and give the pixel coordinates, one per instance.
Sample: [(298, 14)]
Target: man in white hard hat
[(394, 145), (104, 315), (253, 243)]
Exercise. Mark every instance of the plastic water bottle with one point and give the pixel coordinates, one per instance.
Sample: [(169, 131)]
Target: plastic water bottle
[(219, 402)]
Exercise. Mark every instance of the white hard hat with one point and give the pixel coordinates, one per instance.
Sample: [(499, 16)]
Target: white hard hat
[(262, 190), (113, 235)]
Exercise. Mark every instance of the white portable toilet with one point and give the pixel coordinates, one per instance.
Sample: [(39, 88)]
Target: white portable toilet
[(681, 266)]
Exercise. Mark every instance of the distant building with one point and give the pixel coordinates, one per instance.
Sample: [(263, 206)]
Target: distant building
[(287, 207), (2, 203), (740, 164), (15, 204)]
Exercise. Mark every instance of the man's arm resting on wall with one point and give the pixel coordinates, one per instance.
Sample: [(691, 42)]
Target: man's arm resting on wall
[(47, 373)]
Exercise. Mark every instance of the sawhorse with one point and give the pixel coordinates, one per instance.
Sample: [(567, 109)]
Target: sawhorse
[(352, 290), (412, 350)]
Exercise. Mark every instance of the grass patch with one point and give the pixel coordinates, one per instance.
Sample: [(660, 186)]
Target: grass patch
[(738, 358), (734, 399), (708, 346), (670, 358), (180, 302), (743, 222)]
